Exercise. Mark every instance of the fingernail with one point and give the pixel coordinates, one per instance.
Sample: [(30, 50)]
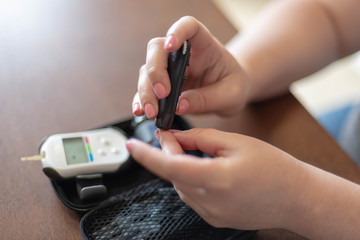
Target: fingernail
[(159, 90), (157, 134), (149, 111), (129, 145), (170, 41), (136, 108), (183, 107)]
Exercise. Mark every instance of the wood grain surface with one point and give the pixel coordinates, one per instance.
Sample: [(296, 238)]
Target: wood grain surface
[(73, 65)]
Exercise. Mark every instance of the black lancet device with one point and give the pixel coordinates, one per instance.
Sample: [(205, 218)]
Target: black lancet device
[(178, 60)]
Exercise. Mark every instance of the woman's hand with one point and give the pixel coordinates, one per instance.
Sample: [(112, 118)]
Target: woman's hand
[(215, 82), (247, 185)]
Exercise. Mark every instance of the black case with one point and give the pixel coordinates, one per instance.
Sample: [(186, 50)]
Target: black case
[(129, 177)]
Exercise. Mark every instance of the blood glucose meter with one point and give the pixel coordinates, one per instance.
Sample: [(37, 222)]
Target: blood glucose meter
[(68, 155)]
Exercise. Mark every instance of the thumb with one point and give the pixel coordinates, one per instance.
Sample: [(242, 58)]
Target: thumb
[(211, 141), (216, 97)]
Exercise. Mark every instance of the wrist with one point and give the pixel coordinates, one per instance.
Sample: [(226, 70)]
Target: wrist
[(297, 203), (291, 200), (323, 205)]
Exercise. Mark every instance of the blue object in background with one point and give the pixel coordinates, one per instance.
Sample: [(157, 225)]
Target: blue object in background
[(343, 124), (333, 120)]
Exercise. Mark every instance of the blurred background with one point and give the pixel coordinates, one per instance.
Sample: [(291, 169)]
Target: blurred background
[(331, 90)]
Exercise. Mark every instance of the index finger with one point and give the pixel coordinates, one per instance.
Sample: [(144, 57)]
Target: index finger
[(182, 168), (169, 143), (188, 28)]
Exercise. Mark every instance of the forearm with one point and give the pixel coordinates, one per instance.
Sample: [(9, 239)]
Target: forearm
[(290, 40), (325, 206)]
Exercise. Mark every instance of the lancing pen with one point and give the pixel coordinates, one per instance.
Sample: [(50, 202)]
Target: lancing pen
[(177, 62)]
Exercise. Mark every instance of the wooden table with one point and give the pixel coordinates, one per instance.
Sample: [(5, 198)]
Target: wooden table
[(73, 65)]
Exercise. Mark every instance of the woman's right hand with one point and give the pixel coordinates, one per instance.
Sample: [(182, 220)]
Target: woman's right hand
[(215, 81)]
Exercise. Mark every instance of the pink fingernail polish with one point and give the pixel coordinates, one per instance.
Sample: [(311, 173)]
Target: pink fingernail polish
[(129, 146), (159, 90), (183, 107), (149, 111), (157, 134), (136, 108), (170, 41)]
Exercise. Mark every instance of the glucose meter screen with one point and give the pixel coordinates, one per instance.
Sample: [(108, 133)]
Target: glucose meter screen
[(75, 151)]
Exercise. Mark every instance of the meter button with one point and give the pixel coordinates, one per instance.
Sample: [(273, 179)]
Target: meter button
[(115, 150), (101, 152), (105, 141)]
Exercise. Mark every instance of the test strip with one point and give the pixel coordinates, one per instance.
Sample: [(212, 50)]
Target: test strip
[(33, 158)]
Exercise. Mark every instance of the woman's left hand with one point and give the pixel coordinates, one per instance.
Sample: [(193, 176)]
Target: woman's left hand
[(249, 184)]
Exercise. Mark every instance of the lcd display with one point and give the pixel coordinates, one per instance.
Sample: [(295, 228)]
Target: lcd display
[(75, 151)]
